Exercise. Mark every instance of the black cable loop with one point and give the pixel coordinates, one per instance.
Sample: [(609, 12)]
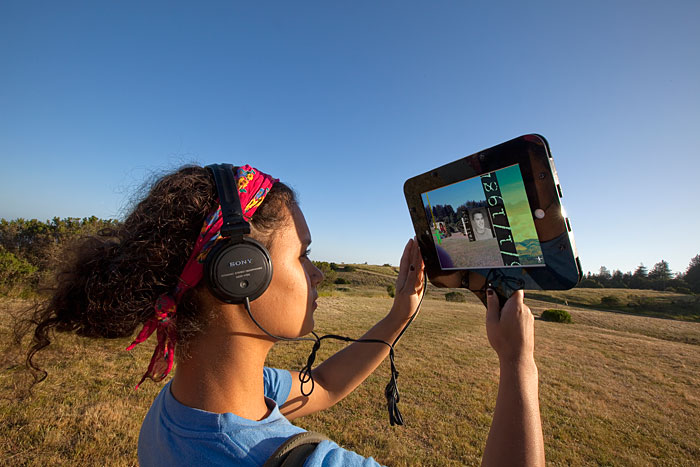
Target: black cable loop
[(305, 374), (391, 391)]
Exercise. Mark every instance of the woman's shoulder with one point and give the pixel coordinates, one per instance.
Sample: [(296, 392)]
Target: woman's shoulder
[(278, 384), (328, 453), (174, 433)]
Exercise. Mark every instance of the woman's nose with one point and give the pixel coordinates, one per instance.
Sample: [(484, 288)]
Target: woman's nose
[(316, 275)]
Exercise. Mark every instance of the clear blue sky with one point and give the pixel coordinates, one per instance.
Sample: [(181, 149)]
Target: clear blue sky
[(347, 100)]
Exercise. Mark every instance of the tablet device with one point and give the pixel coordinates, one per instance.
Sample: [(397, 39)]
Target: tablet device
[(495, 219)]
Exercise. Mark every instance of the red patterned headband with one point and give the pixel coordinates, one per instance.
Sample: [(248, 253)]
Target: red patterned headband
[(253, 186)]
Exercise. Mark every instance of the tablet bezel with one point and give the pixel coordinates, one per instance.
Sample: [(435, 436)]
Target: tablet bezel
[(531, 152)]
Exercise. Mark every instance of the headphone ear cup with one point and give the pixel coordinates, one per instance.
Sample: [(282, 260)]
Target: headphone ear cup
[(238, 270)]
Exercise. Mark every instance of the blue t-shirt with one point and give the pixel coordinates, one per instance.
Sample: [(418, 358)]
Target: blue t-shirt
[(174, 434)]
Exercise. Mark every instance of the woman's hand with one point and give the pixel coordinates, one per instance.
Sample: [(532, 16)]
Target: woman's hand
[(344, 371), (515, 437), (510, 330), (409, 284)]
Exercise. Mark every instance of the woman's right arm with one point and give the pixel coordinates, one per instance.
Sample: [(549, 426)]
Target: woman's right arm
[(515, 437)]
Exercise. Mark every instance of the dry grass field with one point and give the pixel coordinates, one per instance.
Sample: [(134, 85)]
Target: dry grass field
[(615, 389)]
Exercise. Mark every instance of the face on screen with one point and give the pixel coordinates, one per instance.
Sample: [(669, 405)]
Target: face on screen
[(483, 222)]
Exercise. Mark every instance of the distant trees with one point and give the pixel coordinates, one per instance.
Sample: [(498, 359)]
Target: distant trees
[(15, 272), (641, 271), (617, 279), (660, 277), (660, 271), (692, 274), (447, 214), (30, 249)]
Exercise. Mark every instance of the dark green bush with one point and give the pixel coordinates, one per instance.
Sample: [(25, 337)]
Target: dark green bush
[(455, 297), (342, 280), (557, 316), (391, 290)]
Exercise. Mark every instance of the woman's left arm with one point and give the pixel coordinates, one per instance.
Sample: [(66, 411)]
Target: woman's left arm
[(340, 374)]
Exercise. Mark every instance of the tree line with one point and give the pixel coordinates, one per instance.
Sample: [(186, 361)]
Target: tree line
[(452, 219), (660, 277), (31, 249)]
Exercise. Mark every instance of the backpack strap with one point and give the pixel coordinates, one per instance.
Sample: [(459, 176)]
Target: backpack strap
[(294, 451)]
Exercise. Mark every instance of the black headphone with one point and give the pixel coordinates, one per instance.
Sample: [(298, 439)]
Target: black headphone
[(238, 267), (239, 270)]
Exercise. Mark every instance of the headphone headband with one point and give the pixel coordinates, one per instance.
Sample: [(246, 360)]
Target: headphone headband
[(234, 225), (238, 268)]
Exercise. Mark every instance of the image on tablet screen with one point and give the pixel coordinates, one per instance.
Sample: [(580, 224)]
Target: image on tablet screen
[(483, 222)]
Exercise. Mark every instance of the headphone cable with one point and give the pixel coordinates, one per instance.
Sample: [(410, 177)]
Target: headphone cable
[(391, 391)]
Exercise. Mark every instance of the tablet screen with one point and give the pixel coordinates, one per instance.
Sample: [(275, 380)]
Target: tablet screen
[(483, 222)]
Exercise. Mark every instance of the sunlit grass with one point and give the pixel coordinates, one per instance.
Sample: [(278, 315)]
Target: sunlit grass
[(615, 389)]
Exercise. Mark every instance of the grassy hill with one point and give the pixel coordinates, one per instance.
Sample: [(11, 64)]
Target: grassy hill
[(640, 302), (374, 279), (615, 389)]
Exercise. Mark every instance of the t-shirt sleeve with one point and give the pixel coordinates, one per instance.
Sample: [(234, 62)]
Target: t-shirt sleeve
[(278, 384), (329, 454)]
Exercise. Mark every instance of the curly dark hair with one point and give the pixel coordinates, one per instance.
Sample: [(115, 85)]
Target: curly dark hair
[(109, 282)]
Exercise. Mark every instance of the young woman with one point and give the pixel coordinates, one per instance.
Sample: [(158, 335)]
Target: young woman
[(223, 406)]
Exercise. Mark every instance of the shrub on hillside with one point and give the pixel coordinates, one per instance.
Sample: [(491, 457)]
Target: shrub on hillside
[(342, 280), (557, 316), (16, 274), (610, 300), (455, 297), (348, 268), (391, 290)]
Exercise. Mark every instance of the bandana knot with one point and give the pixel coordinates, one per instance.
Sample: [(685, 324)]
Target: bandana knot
[(165, 308)]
